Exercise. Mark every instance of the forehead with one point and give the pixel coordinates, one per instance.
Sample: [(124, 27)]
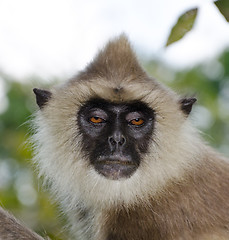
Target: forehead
[(99, 103), (118, 91), (77, 93)]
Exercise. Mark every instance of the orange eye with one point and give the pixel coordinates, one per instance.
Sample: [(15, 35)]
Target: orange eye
[(96, 120), (137, 121)]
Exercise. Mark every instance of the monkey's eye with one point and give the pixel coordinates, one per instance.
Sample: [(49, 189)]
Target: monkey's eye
[(137, 121), (96, 120)]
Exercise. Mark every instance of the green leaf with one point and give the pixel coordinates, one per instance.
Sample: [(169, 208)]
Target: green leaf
[(223, 6), (183, 26)]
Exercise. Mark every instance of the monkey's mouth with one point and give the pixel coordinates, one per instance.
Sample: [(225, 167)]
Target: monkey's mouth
[(115, 169)]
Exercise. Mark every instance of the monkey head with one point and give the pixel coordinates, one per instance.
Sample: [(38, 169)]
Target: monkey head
[(111, 130)]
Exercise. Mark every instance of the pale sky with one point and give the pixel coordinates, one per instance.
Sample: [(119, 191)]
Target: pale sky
[(59, 37)]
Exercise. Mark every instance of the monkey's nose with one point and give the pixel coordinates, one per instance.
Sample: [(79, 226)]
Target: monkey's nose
[(116, 140)]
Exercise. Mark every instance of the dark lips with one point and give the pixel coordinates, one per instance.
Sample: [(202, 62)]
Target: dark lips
[(115, 168)]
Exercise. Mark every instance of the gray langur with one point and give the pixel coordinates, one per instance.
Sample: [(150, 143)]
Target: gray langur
[(123, 159)]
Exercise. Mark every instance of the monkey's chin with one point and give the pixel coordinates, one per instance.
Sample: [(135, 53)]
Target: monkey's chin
[(115, 170)]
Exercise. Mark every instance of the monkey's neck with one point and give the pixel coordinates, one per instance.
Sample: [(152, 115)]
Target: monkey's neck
[(185, 209)]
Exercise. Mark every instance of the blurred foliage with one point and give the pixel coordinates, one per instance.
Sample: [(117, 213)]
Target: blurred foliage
[(19, 189), (223, 6), (183, 26)]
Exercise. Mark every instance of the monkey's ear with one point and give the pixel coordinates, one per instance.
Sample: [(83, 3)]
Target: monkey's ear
[(42, 97), (186, 104)]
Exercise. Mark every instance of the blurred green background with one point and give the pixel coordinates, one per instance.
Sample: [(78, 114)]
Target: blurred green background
[(21, 192)]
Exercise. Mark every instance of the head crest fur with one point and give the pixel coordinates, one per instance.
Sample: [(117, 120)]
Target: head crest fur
[(115, 61)]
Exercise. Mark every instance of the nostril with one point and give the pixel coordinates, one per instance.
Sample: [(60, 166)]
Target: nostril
[(112, 141), (122, 141)]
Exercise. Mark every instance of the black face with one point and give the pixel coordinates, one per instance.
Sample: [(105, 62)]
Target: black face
[(115, 135)]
